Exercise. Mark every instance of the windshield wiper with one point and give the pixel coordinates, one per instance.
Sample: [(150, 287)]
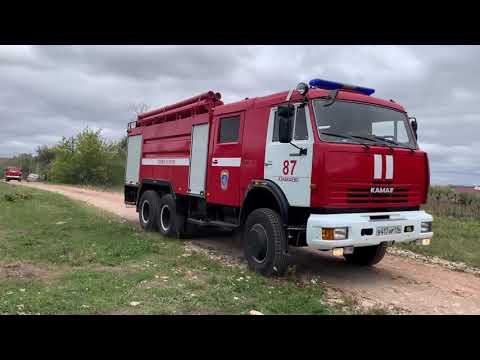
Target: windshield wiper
[(346, 137), (374, 139), (392, 142)]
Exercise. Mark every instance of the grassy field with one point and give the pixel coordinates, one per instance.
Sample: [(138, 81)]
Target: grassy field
[(58, 256), (454, 239), (456, 226)]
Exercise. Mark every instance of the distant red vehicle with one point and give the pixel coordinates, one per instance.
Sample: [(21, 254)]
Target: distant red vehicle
[(13, 173)]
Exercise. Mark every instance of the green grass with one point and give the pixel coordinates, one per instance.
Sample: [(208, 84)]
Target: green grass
[(58, 256), (455, 239), (456, 226)]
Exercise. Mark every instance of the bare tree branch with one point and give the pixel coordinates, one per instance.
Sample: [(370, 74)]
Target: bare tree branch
[(139, 108)]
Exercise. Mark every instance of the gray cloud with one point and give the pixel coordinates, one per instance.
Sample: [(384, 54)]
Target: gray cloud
[(52, 91)]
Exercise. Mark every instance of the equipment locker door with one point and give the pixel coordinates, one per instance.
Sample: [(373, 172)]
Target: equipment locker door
[(134, 153), (284, 165), (224, 170), (198, 159)]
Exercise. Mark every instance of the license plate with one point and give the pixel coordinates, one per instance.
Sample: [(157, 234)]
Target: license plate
[(389, 230)]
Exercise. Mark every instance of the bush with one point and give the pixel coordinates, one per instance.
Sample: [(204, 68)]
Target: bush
[(88, 159), (15, 196)]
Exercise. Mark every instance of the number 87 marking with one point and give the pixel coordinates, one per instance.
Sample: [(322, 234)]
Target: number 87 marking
[(286, 166)]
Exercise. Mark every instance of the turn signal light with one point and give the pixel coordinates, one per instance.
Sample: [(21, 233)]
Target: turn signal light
[(328, 233), (335, 233)]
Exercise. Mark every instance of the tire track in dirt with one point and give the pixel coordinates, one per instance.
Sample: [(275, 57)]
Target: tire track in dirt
[(399, 283)]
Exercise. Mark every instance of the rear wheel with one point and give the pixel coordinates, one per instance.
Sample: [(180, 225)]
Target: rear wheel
[(148, 210), (167, 220), (367, 255), (265, 243)]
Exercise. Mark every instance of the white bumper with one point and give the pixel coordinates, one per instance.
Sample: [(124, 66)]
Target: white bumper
[(16, 177), (358, 221)]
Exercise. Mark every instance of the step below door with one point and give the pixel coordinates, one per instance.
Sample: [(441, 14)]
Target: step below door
[(198, 160)]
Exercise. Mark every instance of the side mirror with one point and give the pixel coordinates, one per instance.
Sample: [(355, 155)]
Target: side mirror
[(285, 121), (413, 123)]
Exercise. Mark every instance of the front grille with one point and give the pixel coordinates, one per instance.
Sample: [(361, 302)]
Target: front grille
[(364, 196), (347, 194)]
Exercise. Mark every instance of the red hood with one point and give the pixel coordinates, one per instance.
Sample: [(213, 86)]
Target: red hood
[(15, 172), (345, 175)]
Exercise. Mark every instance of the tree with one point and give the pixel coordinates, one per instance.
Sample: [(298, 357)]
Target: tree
[(89, 159), (63, 168), (139, 108), (44, 159)]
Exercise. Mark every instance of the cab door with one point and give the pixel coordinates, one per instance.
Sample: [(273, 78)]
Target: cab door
[(284, 164), (225, 159)]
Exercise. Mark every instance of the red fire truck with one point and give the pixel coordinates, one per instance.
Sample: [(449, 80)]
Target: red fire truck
[(324, 165), (13, 173)]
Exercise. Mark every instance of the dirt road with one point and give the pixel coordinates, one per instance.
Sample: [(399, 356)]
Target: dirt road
[(399, 283)]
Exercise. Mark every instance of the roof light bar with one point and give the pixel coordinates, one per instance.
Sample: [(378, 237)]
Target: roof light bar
[(332, 85)]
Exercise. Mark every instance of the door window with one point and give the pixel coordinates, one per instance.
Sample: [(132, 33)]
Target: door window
[(229, 129), (300, 126), (301, 131)]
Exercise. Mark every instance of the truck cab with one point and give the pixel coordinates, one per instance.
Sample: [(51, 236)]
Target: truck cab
[(368, 176), (325, 165)]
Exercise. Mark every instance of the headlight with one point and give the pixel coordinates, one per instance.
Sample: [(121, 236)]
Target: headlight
[(335, 233), (426, 226), (302, 88)]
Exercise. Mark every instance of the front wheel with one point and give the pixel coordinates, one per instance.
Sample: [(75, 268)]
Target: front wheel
[(367, 255), (265, 243)]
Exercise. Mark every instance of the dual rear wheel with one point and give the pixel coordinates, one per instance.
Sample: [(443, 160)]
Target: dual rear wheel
[(158, 213)]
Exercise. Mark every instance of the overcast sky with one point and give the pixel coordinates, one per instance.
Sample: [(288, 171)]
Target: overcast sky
[(47, 92)]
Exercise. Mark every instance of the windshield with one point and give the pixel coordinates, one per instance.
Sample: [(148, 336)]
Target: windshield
[(352, 122)]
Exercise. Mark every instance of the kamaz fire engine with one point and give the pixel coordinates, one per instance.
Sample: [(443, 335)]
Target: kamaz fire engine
[(325, 165)]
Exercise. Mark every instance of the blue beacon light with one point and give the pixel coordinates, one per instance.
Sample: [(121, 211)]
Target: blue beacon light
[(332, 85)]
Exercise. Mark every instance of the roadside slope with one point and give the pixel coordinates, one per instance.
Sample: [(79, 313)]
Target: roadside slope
[(398, 283)]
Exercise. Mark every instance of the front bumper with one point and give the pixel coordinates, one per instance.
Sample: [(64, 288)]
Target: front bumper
[(358, 221), (13, 177)]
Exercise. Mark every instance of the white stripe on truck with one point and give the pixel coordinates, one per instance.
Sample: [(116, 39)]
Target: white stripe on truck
[(389, 165), (166, 161), (235, 162), (377, 172)]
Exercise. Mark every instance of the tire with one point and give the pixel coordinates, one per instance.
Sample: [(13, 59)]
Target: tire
[(265, 243), (7, 180), (148, 210), (168, 220), (367, 256)]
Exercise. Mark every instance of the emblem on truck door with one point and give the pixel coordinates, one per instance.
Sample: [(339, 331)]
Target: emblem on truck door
[(224, 174)]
